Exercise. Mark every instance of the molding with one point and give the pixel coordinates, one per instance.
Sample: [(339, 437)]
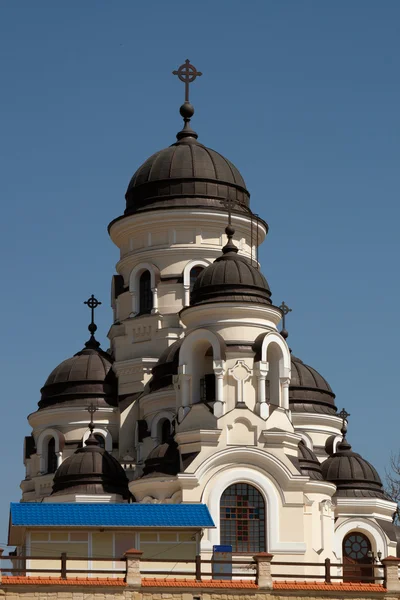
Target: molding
[(205, 437)]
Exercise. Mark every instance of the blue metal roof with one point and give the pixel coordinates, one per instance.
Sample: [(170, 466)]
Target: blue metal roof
[(32, 514)]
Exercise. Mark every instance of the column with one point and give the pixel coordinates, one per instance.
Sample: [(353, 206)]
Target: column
[(261, 369), (284, 381), (391, 565), (154, 310), (59, 458), (186, 289), (183, 392), (219, 372), (133, 577), (263, 570), (133, 304)]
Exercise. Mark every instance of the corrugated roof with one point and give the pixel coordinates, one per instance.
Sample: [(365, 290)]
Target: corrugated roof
[(32, 514)]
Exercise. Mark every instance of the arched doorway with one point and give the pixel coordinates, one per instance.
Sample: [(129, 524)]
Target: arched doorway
[(242, 519), (357, 561)]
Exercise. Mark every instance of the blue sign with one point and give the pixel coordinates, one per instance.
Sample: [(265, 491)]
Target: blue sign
[(222, 567)]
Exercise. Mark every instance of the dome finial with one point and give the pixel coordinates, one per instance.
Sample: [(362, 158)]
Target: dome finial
[(92, 303), (91, 441), (187, 73), (285, 310), (344, 445), (343, 415)]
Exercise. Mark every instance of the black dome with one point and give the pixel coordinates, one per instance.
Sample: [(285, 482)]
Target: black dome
[(352, 474), (231, 278), (308, 390), (186, 174), (163, 459), (309, 463), (91, 470), (166, 367), (87, 374)]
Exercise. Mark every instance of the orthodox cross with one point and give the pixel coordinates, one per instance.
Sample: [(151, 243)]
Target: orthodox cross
[(187, 73), (285, 310), (343, 415), (92, 303), (91, 410)]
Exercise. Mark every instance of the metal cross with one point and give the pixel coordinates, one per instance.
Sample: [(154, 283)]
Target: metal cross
[(285, 310), (187, 73), (343, 415), (92, 303), (91, 410)]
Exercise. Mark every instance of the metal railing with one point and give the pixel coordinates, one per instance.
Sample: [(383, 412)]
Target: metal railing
[(199, 569)]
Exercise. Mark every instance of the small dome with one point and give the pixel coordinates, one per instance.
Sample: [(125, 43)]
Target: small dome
[(87, 374), (309, 463), (163, 459), (91, 470), (309, 391), (166, 367), (353, 476), (186, 174), (231, 278)]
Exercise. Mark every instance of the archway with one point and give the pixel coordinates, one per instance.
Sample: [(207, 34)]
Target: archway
[(357, 558)]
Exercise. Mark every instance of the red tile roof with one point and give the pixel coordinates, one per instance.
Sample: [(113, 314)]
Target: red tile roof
[(191, 583), (210, 583), (78, 581), (322, 586)]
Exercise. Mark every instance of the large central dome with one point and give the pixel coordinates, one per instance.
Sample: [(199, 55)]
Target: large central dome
[(186, 174)]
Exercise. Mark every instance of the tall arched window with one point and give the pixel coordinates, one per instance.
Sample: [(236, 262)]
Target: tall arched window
[(51, 456), (242, 518), (194, 273), (165, 431), (145, 293), (357, 557)]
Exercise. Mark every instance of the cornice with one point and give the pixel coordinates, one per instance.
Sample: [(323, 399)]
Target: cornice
[(129, 224)]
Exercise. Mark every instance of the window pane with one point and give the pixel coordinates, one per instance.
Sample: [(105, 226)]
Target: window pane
[(145, 293), (242, 516)]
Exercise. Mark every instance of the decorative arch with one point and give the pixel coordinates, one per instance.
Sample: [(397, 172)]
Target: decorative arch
[(306, 439), (157, 422), (104, 433), (186, 276), (273, 368), (42, 447), (196, 368), (372, 530), (222, 479), (134, 285)]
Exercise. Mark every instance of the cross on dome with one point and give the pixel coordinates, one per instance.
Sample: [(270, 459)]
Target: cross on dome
[(285, 310), (92, 303), (187, 73), (343, 415)]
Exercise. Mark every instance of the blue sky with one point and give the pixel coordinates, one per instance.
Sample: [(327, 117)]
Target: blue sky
[(303, 96)]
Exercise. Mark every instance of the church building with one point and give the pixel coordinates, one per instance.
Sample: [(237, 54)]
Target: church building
[(198, 414)]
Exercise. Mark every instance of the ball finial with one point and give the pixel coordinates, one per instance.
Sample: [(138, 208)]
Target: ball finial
[(187, 110)]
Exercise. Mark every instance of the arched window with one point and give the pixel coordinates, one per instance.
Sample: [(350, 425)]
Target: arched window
[(357, 557), (165, 431), (145, 293), (242, 518), (51, 456), (100, 439), (194, 273)]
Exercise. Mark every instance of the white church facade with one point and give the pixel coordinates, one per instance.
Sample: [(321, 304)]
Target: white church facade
[(199, 398)]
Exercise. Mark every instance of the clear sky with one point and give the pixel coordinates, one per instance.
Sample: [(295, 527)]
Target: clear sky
[(303, 96)]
